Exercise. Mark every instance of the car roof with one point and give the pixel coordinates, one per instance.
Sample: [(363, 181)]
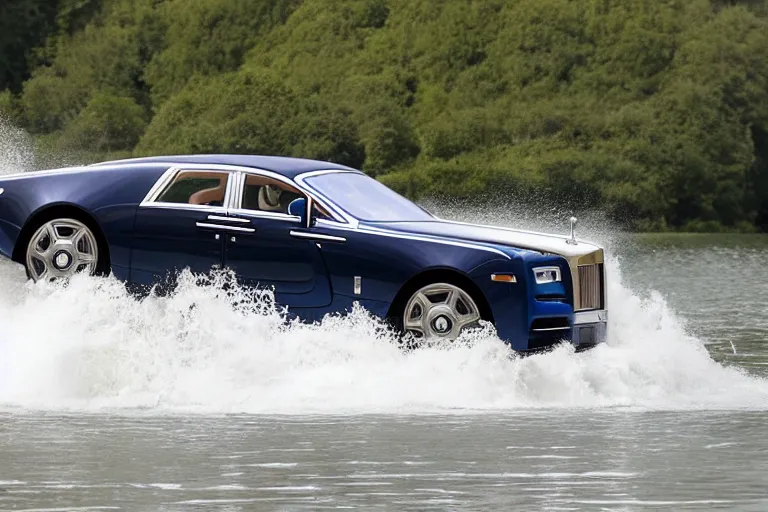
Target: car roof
[(287, 166)]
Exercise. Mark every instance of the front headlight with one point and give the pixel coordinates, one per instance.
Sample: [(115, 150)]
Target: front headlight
[(545, 275)]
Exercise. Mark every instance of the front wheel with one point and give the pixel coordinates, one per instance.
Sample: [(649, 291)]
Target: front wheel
[(61, 248), (440, 311)]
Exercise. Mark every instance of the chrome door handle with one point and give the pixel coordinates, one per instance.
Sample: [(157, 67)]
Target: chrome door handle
[(221, 227), (318, 237)]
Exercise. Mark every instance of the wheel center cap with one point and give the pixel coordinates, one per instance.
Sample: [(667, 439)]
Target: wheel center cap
[(442, 324), (62, 260)]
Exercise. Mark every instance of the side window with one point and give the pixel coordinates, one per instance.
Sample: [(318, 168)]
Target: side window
[(206, 188), (261, 193)]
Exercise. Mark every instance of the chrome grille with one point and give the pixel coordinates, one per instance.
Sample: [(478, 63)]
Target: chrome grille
[(590, 287)]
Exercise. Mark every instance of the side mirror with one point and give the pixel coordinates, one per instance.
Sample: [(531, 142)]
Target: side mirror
[(303, 209)]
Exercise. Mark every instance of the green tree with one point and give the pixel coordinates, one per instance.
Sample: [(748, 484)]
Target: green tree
[(208, 38), (109, 53), (250, 111), (24, 25), (108, 123), (654, 111)]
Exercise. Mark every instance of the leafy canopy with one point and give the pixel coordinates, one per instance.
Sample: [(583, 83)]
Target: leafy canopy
[(656, 110)]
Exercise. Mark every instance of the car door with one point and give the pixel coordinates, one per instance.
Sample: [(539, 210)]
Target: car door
[(177, 227), (270, 256)]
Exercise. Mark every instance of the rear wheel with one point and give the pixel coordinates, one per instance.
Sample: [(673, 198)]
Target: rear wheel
[(440, 311), (61, 248)]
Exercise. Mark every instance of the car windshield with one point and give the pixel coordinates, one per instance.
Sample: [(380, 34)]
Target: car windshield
[(365, 198)]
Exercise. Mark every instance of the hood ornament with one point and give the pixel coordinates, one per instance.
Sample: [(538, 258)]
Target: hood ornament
[(572, 240)]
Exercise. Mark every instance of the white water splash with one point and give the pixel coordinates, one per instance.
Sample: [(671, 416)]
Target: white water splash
[(91, 346), (16, 153)]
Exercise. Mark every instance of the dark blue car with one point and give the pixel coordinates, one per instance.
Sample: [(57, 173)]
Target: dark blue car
[(322, 235)]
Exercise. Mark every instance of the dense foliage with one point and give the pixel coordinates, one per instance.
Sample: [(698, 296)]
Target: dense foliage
[(656, 110)]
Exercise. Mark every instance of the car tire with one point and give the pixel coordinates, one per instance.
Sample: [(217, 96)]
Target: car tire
[(62, 247)]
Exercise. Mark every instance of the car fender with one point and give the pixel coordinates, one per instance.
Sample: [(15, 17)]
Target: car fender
[(109, 195), (384, 263)]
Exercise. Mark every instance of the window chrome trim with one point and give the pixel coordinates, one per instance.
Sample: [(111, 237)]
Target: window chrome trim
[(334, 208), (228, 191), (236, 229), (184, 206), (237, 201), (269, 174), (234, 198), (150, 200), (228, 219), (309, 207), (159, 185), (259, 214), (320, 172)]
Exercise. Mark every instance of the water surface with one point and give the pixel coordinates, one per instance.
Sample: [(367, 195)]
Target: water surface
[(191, 403)]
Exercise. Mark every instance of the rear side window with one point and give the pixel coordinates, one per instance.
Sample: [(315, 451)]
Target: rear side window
[(200, 188)]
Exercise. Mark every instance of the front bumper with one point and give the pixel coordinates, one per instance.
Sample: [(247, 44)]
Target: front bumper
[(583, 329), (589, 327)]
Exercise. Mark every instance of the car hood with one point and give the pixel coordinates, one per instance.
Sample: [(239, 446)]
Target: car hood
[(542, 242)]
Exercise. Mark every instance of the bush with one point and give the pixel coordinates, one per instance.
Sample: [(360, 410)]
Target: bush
[(654, 111), (250, 112), (9, 107), (107, 124), (208, 38)]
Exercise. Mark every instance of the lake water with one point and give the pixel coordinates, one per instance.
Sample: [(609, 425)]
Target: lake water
[(191, 403)]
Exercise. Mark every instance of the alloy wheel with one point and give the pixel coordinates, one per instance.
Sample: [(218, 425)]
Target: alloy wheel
[(61, 248), (440, 311)]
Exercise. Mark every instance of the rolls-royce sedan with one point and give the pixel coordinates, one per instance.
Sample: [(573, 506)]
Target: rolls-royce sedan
[(322, 236)]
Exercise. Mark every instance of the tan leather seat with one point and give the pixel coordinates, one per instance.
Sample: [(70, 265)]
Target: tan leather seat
[(208, 195)]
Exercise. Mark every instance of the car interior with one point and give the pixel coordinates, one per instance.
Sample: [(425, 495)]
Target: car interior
[(267, 194), (260, 193), (200, 188)]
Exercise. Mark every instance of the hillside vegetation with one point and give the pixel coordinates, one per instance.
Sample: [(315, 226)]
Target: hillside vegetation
[(655, 110)]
